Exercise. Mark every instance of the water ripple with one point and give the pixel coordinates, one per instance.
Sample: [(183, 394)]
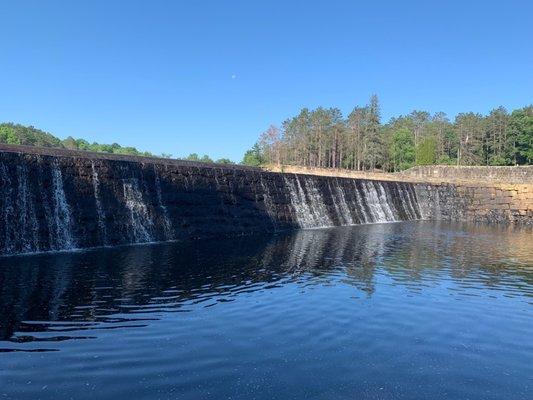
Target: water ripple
[(410, 310)]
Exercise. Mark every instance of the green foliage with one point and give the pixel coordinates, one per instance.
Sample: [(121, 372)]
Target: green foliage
[(324, 138), (26, 135), (253, 157), (195, 157), (30, 136), (206, 159), (426, 151), (192, 157), (402, 150), (445, 159), (226, 161), (521, 136)]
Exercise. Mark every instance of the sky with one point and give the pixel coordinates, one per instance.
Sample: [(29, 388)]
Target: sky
[(209, 76)]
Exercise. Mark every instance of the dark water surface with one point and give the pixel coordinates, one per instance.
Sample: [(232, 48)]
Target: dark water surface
[(413, 310)]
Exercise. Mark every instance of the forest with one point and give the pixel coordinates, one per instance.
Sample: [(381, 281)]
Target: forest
[(324, 138), (17, 134)]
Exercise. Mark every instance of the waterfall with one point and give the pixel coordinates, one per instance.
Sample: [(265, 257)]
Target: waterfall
[(384, 201), (167, 225), (64, 239), (7, 208), (299, 204), (360, 203), (310, 210), (140, 220), (28, 228), (414, 204), (316, 200), (374, 203), (98, 204), (42, 208), (344, 214), (338, 213), (269, 204), (410, 203)]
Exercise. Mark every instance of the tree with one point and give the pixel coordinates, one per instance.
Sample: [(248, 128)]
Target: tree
[(270, 145), (419, 120), (520, 139), (253, 157), (192, 157), (402, 150), (372, 132), (206, 159), (426, 151), (356, 143), (469, 127), (224, 161), (496, 144)]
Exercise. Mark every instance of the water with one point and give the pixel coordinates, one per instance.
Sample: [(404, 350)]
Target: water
[(141, 222), (100, 213), (50, 204), (412, 310), (8, 209), (64, 238), (167, 224)]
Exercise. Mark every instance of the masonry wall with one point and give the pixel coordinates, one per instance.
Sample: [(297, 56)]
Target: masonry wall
[(497, 203), (57, 200), (520, 174)]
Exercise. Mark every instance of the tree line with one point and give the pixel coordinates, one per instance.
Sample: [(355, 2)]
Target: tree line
[(325, 138), (17, 134)]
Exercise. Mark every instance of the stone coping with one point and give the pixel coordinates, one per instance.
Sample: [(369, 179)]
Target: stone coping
[(338, 173), (55, 152)]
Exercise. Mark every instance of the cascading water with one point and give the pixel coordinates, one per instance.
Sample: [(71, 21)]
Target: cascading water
[(167, 224), (269, 204), (341, 206), (8, 210), (361, 208), (316, 201), (362, 202), (383, 201), (373, 201), (308, 214), (107, 202), (64, 240), (411, 206), (98, 204), (141, 223), (28, 227)]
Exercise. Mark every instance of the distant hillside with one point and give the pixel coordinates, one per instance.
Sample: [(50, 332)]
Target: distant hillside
[(28, 135), (11, 133)]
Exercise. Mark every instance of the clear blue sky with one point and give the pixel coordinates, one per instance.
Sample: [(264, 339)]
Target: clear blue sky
[(209, 76)]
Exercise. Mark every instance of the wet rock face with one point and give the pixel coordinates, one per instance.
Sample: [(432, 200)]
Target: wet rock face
[(497, 203)]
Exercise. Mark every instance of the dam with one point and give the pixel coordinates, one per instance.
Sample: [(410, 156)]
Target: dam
[(262, 300), (54, 200)]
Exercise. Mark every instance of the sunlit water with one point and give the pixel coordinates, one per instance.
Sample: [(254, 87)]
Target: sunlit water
[(394, 311)]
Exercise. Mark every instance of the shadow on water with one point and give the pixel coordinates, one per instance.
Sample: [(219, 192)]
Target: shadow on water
[(56, 297)]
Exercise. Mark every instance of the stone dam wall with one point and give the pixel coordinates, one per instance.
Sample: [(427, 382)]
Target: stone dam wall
[(58, 200), (490, 203), (519, 174)]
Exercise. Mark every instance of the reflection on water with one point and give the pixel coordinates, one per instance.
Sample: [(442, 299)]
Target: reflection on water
[(377, 311)]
